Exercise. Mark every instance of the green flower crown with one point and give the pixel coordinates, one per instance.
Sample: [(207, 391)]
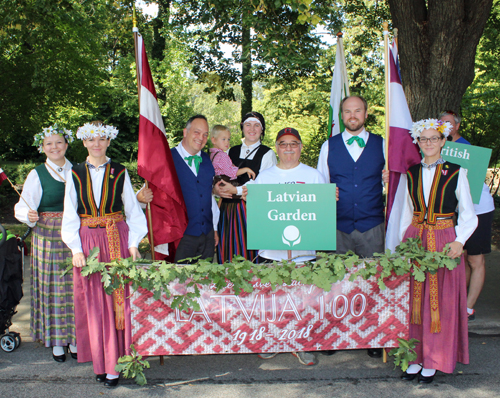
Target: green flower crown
[(52, 130)]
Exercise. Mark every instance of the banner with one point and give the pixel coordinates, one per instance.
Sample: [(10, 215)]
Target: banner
[(298, 317), (291, 216), (473, 158)]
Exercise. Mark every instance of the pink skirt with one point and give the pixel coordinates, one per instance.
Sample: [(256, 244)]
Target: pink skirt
[(442, 350), (98, 340)]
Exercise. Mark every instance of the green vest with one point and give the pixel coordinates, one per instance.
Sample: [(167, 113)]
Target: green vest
[(53, 191)]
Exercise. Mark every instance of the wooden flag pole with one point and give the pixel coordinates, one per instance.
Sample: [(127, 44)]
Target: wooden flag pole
[(387, 127), (387, 83), (15, 189), (148, 206)]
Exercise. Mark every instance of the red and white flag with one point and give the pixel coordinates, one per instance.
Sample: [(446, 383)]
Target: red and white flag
[(403, 153), (3, 176), (155, 164)]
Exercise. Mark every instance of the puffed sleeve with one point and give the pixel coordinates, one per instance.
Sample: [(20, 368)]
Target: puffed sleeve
[(467, 219), (70, 228), (136, 220), (407, 209), (32, 195)]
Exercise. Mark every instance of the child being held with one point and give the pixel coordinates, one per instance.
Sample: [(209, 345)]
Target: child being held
[(223, 166)]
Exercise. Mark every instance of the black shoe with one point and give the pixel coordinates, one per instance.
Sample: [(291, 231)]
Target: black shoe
[(59, 358), (425, 379), (74, 355), (327, 352), (111, 383), (100, 378), (375, 352), (409, 376)]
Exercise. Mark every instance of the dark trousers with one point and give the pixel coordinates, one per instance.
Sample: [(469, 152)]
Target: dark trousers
[(193, 246)]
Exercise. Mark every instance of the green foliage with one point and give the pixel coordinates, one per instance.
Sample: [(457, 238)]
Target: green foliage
[(132, 366), (327, 270), (405, 353)]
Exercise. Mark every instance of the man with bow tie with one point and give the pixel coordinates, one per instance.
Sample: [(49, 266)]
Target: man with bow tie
[(354, 160), (196, 173)]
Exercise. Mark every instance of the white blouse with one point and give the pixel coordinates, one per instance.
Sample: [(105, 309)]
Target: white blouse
[(32, 191), (135, 218), (467, 219)]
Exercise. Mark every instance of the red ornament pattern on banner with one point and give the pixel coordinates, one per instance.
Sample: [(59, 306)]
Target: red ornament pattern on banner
[(352, 315)]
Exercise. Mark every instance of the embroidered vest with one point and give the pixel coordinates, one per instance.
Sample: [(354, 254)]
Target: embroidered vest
[(53, 191), (442, 199), (111, 190), (254, 164)]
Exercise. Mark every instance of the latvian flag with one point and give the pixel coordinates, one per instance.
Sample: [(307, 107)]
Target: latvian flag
[(3, 176)]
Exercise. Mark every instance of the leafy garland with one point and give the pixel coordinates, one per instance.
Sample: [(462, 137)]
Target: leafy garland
[(409, 257)]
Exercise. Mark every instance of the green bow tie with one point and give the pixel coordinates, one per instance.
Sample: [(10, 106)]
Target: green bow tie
[(359, 140), (197, 160)]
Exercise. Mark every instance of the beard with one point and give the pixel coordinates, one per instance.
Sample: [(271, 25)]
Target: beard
[(354, 124)]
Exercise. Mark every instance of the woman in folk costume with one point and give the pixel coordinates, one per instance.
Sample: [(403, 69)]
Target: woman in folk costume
[(95, 195), (438, 306), (40, 207), (233, 216)]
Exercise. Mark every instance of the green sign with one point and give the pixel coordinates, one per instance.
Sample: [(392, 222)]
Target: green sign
[(473, 158), (291, 217)]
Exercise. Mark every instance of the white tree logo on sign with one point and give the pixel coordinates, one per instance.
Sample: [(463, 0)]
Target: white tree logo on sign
[(291, 235)]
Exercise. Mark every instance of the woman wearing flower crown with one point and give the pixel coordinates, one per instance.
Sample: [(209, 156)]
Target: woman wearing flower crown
[(438, 306), (40, 207), (95, 195)]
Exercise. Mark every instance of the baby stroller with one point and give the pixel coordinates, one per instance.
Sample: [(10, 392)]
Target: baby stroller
[(11, 287)]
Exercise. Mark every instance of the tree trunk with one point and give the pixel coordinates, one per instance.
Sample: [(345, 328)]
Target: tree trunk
[(246, 70), (437, 54), (158, 38)]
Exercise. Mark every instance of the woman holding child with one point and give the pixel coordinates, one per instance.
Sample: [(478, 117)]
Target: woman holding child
[(438, 306), (256, 157)]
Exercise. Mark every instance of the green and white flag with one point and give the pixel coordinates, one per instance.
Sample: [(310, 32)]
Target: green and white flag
[(340, 90)]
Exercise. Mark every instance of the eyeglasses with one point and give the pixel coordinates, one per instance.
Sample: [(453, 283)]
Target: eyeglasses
[(433, 139), (451, 113), (293, 145)]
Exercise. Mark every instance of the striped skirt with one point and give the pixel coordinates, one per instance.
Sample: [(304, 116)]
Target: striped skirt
[(442, 350), (52, 311), (232, 230), (98, 339)]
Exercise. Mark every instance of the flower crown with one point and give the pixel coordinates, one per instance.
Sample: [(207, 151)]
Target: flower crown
[(427, 124), (52, 130), (89, 130)]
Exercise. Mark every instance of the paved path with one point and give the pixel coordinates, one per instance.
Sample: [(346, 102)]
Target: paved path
[(29, 371)]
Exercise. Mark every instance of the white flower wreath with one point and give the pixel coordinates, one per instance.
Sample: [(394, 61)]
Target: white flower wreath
[(89, 130), (428, 124), (52, 130)]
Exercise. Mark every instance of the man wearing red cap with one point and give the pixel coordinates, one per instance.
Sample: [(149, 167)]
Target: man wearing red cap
[(290, 170)]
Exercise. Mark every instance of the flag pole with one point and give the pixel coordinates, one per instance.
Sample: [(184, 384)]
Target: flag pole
[(387, 127), (148, 206), (15, 189), (387, 83)]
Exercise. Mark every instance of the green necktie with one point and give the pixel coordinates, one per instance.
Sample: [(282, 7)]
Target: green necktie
[(197, 160), (359, 140)]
